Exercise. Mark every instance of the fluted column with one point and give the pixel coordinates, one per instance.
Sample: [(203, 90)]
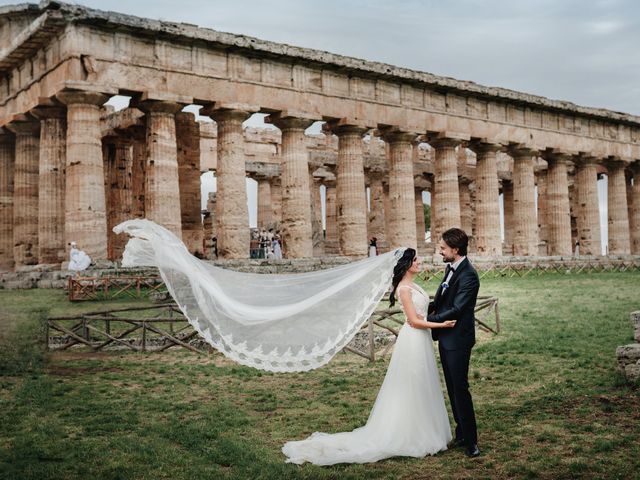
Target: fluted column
[(296, 210), (446, 211), (25, 192), (162, 188), (351, 192), (265, 210), (232, 213), (420, 228), (543, 223), (588, 214), (53, 149), (332, 244), (634, 211), (507, 199), (525, 234), (84, 197), (377, 213), (7, 159), (188, 146), (276, 200), (466, 207), (488, 237), (315, 201), (618, 213), (401, 220), (138, 172), (118, 161), (558, 213)]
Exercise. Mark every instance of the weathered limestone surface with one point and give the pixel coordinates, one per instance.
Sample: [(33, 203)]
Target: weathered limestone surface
[(401, 222), (53, 147), (588, 214), (188, 147), (162, 187), (525, 234), (618, 213), (7, 156), (332, 245), (446, 211), (118, 162), (351, 194), (488, 238), (466, 206), (629, 355), (276, 201), (634, 210), (507, 199), (25, 193), (558, 213), (85, 219), (420, 227), (296, 210), (138, 174), (265, 210), (316, 215), (376, 215)]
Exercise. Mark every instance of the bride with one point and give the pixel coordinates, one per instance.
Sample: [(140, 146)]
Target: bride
[(409, 417), (298, 322)]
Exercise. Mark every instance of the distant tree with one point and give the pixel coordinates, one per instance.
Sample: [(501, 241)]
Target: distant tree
[(427, 217)]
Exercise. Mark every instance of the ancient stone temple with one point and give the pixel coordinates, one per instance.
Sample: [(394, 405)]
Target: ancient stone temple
[(71, 168)]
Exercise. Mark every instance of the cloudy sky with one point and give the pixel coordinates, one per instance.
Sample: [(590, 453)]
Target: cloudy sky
[(583, 51)]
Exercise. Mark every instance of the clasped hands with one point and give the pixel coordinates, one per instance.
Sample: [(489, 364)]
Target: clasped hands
[(445, 324)]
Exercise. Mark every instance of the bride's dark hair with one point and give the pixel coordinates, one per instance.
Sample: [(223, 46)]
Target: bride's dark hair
[(399, 270)]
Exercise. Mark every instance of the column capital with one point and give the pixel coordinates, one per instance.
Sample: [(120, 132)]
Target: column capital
[(159, 107), (70, 97), (480, 147), (6, 135), (556, 157), (23, 125), (229, 111), (345, 126), (393, 134), (447, 139), (584, 159), (634, 167), (613, 163), (291, 120)]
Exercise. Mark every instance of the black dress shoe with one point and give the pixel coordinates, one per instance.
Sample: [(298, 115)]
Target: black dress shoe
[(473, 451), (458, 442)]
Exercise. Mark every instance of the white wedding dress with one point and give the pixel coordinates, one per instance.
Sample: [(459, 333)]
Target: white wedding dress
[(409, 417)]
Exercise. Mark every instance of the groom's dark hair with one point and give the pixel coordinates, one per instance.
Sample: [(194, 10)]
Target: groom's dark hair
[(456, 238)]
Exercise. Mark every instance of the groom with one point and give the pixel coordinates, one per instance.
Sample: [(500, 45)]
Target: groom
[(455, 299)]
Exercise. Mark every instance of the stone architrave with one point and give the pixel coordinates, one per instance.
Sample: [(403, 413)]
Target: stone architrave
[(558, 212), (53, 152), (25, 192), (7, 156), (118, 161), (232, 213), (162, 181), (296, 226), (487, 205), (525, 232), (420, 226), (377, 214), (588, 205), (351, 192), (446, 210), (401, 221), (188, 147), (634, 210), (507, 199), (265, 210), (618, 212), (84, 197)]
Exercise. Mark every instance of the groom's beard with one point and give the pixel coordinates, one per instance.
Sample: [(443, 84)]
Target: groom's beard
[(447, 260)]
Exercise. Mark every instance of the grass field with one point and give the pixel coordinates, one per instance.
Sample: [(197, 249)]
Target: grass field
[(548, 399)]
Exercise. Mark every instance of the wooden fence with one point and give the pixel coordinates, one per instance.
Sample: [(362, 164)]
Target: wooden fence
[(109, 287)]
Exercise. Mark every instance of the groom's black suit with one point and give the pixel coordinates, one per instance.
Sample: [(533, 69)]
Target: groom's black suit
[(457, 302)]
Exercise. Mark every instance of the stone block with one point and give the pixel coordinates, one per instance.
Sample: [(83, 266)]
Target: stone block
[(635, 321)]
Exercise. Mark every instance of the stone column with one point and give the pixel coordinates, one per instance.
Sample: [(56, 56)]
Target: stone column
[(162, 188), (25, 192), (558, 213), (7, 157), (332, 245), (525, 234), (618, 213), (119, 164), (543, 223), (387, 205), (296, 210), (209, 225), (53, 153), (276, 201), (84, 198), (377, 213), (634, 212), (265, 210), (315, 201), (588, 206), (232, 213), (420, 228), (488, 237), (351, 192), (466, 208), (446, 211), (188, 146), (401, 220), (138, 172), (507, 199)]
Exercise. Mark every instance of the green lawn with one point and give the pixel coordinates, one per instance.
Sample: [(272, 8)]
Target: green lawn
[(548, 399)]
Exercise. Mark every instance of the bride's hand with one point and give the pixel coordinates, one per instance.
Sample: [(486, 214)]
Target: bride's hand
[(449, 323)]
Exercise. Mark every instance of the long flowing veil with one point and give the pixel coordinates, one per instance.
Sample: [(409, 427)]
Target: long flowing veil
[(279, 323)]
